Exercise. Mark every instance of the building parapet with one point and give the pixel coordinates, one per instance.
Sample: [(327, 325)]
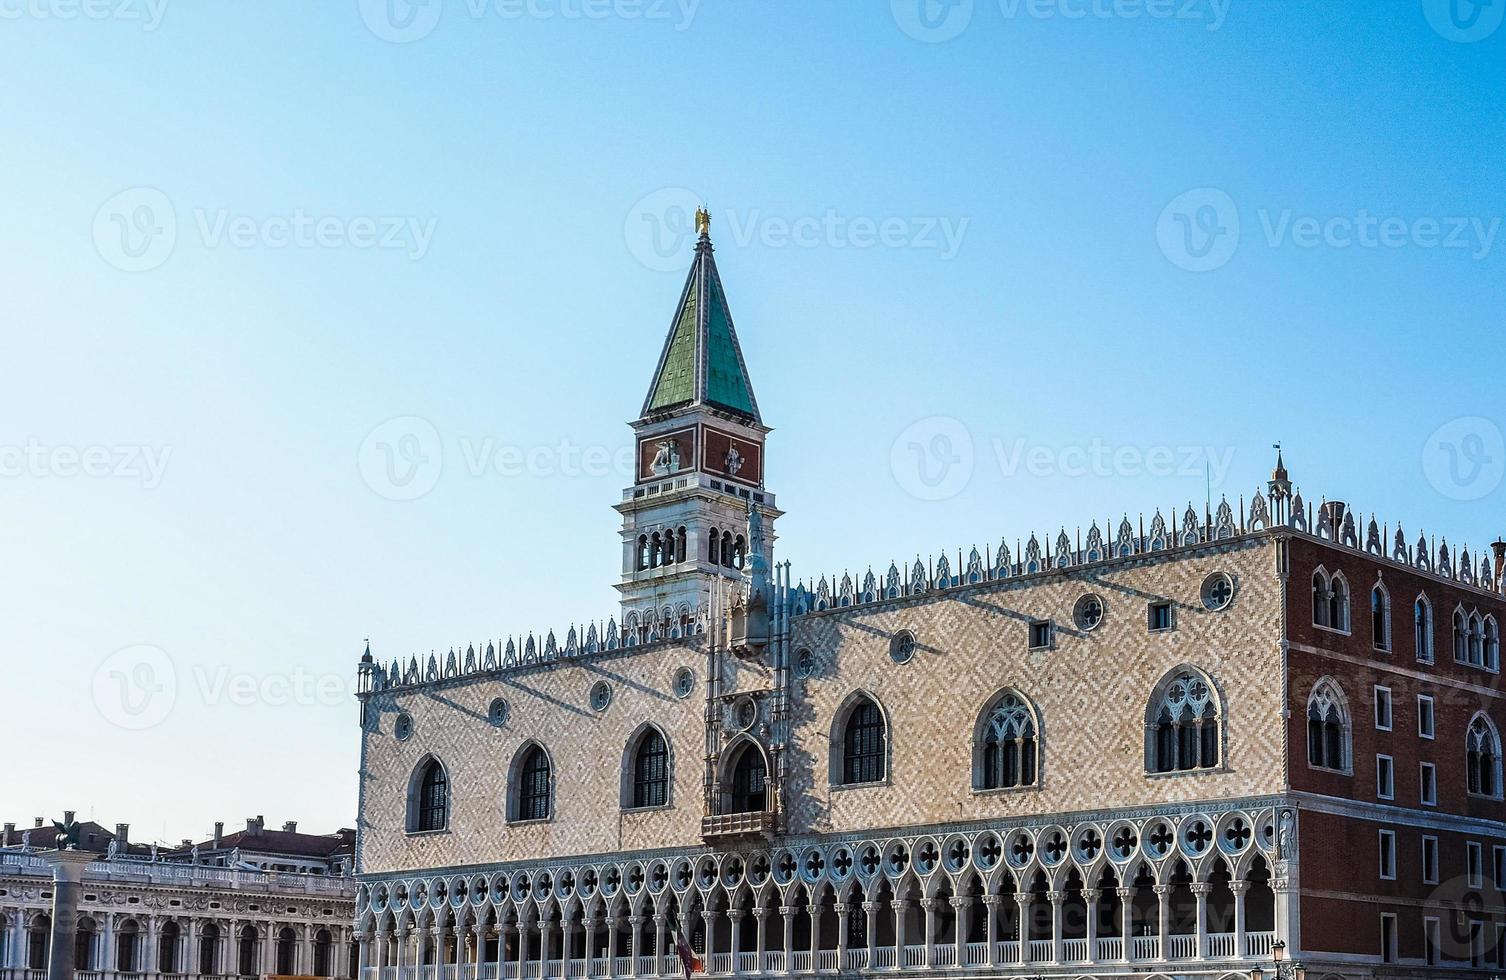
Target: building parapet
[(24, 863)]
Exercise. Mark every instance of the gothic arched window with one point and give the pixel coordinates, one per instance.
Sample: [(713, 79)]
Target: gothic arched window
[(1422, 628), (1461, 637), (1338, 603), (651, 770), (1328, 727), (1182, 724), (1482, 758), (533, 785), (1380, 617), (1008, 744), (430, 798), (749, 782), (1492, 644), (1320, 599), (863, 744)]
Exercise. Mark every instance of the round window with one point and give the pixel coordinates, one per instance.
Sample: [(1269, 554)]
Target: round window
[(747, 713), (684, 682), (601, 695), (902, 647), (497, 712), (1218, 591), (805, 663), (402, 727), (1088, 612)]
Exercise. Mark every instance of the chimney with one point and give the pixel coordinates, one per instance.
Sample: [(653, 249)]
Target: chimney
[(122, 836), (290, 826), (1332, 516), (219, 831), (10, 829), (255, 824), (1499, 548)]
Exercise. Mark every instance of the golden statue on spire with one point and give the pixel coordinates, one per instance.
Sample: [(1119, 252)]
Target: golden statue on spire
[(703, 222)]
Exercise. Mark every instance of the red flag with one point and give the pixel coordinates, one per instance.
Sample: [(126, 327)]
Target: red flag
[(687, 955)]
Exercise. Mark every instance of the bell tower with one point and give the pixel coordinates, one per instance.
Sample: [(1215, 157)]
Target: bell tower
[(699, 466)]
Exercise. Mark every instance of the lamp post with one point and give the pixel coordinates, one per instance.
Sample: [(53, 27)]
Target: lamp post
[(1284, 969)]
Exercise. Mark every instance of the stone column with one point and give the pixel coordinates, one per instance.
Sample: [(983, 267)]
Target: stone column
[(400, 949), (635, 924), (661, 920), (991, 928), (761, 940), (960, 906), (67, 881), (478, 939), (363, 954), (1023, 901), (587, 923), (1163, 905), (1057, 899), (612, 946), (928, 905), (788, 911), (708, 916), (870, 909), (814, 911), (899, 905), (1127, 914), (842, 909), (1090, 901), (1200, 890), (106, 955), (1239, 888)]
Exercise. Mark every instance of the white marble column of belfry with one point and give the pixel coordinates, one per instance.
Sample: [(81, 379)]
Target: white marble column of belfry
[(961, 906), (1239, 888), (1127, 914), (67, 883), (788, 911), (1090, 898), (991, 927)]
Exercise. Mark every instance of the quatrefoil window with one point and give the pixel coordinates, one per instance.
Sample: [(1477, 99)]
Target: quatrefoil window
[(989, 852)]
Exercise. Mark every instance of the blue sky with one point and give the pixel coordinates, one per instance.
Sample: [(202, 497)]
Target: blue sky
[(241, 238)]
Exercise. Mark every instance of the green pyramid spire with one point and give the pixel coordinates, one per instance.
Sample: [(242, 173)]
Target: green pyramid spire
[(702, 363)]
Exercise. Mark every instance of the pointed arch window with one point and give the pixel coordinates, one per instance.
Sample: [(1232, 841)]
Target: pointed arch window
[(1328, 728), (1492, 644), (1482, 758), (1380, 617), (1008, 744), (429, 798), (1338, 603), (1422, 628), (651, 771), (1320, 600), (533, 793), (863, 744), (1182, 725), (1461, 637), (749, 792)]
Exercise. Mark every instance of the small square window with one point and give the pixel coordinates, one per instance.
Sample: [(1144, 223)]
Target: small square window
[(1385, 778), (1159, 616), (1388, 855), (1424, 716), (1382, 709), (1429, 860), (1428, 793), (1040, 634), (1474, 863)]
